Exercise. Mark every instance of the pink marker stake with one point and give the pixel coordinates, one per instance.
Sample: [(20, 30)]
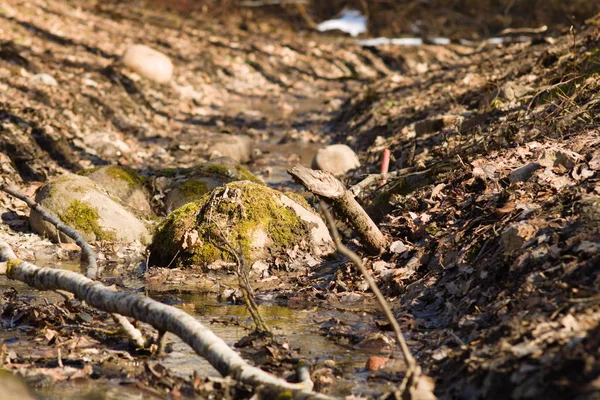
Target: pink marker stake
[(385, 164)]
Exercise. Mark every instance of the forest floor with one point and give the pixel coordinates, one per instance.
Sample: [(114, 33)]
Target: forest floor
[(494, 211)]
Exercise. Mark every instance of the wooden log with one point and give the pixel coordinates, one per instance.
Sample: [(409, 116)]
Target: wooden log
[(343, 203)]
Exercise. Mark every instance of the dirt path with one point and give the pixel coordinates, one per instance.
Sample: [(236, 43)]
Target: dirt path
[(494, 274)]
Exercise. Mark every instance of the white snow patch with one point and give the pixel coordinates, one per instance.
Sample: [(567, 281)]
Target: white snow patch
[(351, 21)]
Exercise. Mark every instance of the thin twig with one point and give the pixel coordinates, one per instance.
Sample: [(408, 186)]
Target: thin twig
[(415, 385), (242, 273), (410, 361)]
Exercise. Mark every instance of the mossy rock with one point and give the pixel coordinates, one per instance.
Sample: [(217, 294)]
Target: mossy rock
[(189, 190), (191, 184), (123, 183), (81, 204), (261, 222)]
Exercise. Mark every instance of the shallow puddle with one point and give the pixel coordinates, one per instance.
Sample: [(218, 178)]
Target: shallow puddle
[(297, 326)]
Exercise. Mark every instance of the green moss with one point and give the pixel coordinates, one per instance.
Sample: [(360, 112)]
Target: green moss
[(240, 173), (88, 171), (82, 217), (11, 265), (170, 234), (171, 172), (496, 104), (248, 208), (193, 188), (124, 174), (218, 170)]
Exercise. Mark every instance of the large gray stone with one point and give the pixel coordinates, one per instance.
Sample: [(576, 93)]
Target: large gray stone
[(124, 184), (84, 206), (262, 223), (187, 185)]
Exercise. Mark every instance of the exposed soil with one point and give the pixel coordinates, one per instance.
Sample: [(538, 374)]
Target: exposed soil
[(493, 210)]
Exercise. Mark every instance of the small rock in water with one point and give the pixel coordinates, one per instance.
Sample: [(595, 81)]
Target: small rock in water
[(238, 147), (148, 63), (43, 79), (336, 159), (522, 174)]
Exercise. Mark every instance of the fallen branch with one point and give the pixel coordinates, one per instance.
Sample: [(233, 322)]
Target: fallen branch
[(161, 316), (415, 385), (87, 256), (330, 189)]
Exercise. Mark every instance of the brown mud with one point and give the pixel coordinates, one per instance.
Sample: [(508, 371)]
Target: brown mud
[(496, 285)]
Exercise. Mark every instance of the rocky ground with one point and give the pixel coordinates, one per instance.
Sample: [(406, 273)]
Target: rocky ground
[(492, 211)]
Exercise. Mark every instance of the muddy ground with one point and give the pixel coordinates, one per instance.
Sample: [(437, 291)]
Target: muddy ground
[(494, 211)]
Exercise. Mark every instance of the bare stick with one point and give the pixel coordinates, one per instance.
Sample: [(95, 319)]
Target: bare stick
[(242, 273), (413, 373), (87, 256), (161, 316), (330, 189)]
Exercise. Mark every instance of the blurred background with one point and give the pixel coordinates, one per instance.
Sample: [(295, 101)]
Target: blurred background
[(468, 19)]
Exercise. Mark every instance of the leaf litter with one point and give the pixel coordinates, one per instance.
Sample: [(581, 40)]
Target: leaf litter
[(493, 265)]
